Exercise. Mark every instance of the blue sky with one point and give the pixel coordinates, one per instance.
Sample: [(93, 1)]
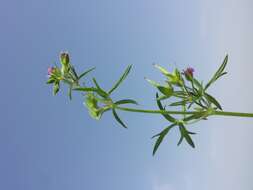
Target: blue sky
[(48, 142)]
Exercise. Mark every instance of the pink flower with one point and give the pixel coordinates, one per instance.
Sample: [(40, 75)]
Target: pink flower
[(50, 71), (189, 72)]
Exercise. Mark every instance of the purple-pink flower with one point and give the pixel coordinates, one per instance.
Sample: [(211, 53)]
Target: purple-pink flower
[(189, 72), (50, 70)]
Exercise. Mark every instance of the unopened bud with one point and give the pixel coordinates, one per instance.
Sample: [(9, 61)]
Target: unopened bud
[(64, 58), (92, 105), (189, 73)]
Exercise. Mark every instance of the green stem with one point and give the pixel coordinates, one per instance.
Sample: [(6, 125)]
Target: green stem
[(220, 113), (155, 111), (236, 114)]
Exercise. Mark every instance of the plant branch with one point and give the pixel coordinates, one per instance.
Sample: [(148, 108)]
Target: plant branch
[(218, 113)]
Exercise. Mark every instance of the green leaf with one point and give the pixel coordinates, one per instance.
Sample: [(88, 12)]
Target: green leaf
[(192, 133), (222, 67), (197, 83), (122, 78), (189, 106), (189, 140), (70, 92), (92, 89), (161, 137), (176, 78), (180, 94), (158, 134), (186, 135), (224, 73), (84, 89), (117, 118), (197, 115), (167, 91), (213, 100), (166, 116), (153, 83), (100, 91), (73, 71), (50, 80), (163, 97), (56, 87), (163, 70), (180, 140), (218, 73), (85, 73), (126, 101), (180, 103)]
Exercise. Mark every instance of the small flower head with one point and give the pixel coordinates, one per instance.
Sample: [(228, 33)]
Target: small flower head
[(54, 75), (188, 73), (50, 71)]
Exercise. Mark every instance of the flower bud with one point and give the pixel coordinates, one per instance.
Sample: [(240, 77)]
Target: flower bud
[(176, 78), (92, 105), (64, 58), (189, 73)]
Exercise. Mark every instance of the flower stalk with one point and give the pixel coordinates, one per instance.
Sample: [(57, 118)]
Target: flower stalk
[(218, 113), (189, 95)]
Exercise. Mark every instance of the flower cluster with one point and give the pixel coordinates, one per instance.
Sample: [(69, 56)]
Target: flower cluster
[(189, 94)]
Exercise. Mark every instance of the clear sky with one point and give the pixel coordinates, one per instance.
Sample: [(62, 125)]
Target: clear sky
[(50, 143)]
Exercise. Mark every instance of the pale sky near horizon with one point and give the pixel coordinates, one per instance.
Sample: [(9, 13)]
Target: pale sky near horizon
[(50, 143)]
